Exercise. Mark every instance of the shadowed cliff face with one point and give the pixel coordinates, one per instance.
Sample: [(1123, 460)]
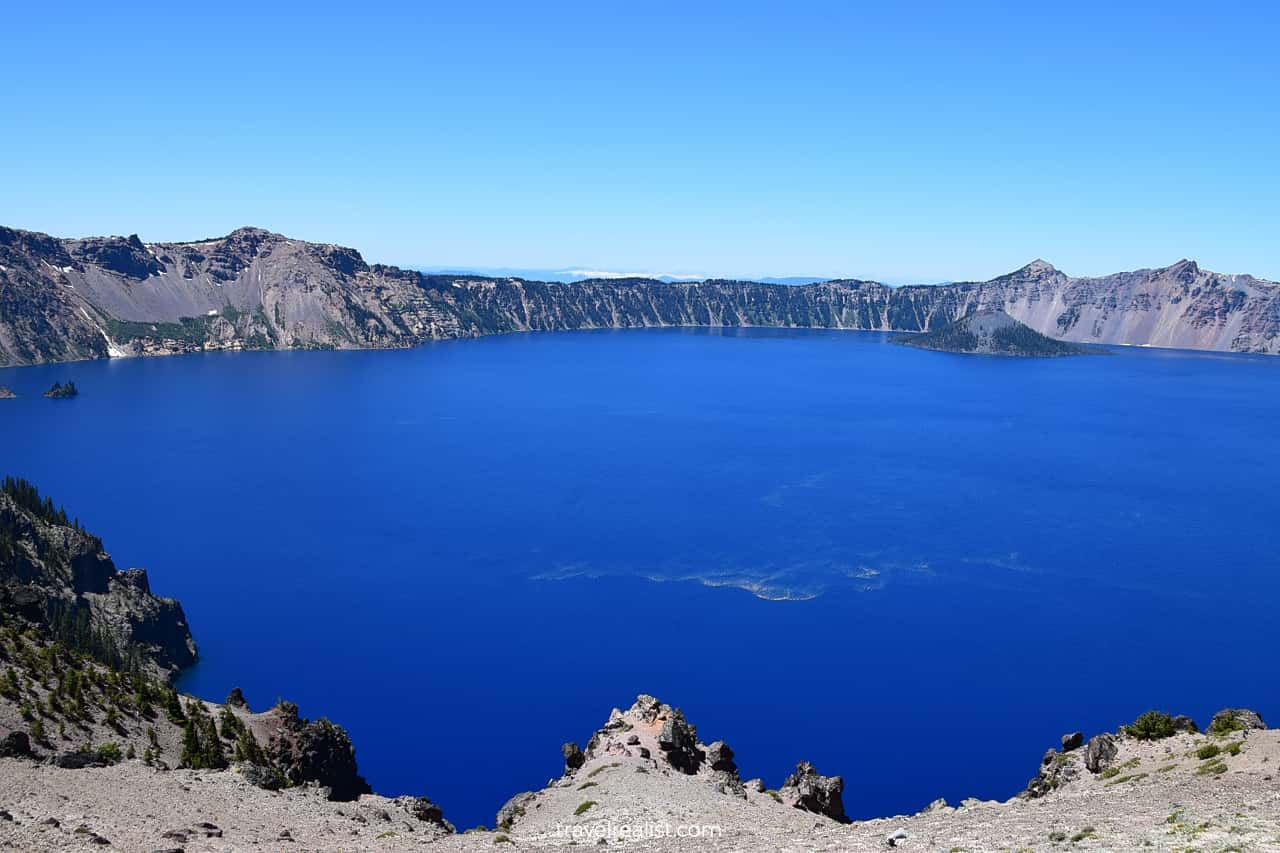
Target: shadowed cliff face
[(97, 297), (56, 576)]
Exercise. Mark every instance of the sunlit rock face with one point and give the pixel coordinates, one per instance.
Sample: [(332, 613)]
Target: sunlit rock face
[(252, 289)]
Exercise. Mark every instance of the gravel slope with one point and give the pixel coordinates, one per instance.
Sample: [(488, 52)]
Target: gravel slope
[(1155, 796)]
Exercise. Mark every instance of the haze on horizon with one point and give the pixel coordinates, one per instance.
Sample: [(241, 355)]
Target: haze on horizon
[(921, 143)]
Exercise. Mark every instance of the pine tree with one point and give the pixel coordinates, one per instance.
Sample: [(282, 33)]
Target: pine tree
[(229, 724), (192, 754), (215, 757), (9, 687), (173, 705), (247, 749), (201, 747)]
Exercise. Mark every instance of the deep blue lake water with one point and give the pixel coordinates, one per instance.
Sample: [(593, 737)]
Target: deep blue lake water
[(911, 568)]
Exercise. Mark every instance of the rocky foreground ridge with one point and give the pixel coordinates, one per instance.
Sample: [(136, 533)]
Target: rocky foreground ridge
[(66, 299), (97, 750), (645, 781)]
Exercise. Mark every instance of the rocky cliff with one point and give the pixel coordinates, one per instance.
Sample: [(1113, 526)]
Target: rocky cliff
[(86, 656), (64, 299), (56, 578)]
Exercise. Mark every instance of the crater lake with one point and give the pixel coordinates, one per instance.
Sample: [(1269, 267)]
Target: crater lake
[(913, 569)]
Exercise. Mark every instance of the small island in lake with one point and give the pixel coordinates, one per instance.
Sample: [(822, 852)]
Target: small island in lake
[(62, 392), (6, 393), (992, 332)]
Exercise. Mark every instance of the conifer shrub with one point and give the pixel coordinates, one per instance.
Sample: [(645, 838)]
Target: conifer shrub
[(1225, 724), (1152, 725)]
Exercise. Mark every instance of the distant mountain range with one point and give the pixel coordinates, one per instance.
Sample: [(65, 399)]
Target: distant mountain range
[(65, 299), (575, 274)]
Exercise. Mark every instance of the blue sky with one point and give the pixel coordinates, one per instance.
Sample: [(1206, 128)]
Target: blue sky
[(906, 142)]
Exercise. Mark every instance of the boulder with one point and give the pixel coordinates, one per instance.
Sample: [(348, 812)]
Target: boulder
[(236, 699), (1183, 723), (1072, 741), (1056, 769), (810, 791), (16, 745), (427, 812), (1236, 720), (573, 757), (728, 783), (675, 733), (724, 773), (261, 777), (81, 759), (514, 809), (1099, 752), (720, 757), (646, 708), (680, 743)]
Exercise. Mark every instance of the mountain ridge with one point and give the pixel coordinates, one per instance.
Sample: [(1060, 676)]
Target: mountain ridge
[(98, 297)]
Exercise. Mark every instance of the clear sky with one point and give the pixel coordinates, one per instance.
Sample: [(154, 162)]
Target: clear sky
[(901, 141)]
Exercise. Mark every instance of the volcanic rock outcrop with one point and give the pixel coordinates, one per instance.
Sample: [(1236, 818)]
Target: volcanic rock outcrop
[(55, 574), (807, 789)]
